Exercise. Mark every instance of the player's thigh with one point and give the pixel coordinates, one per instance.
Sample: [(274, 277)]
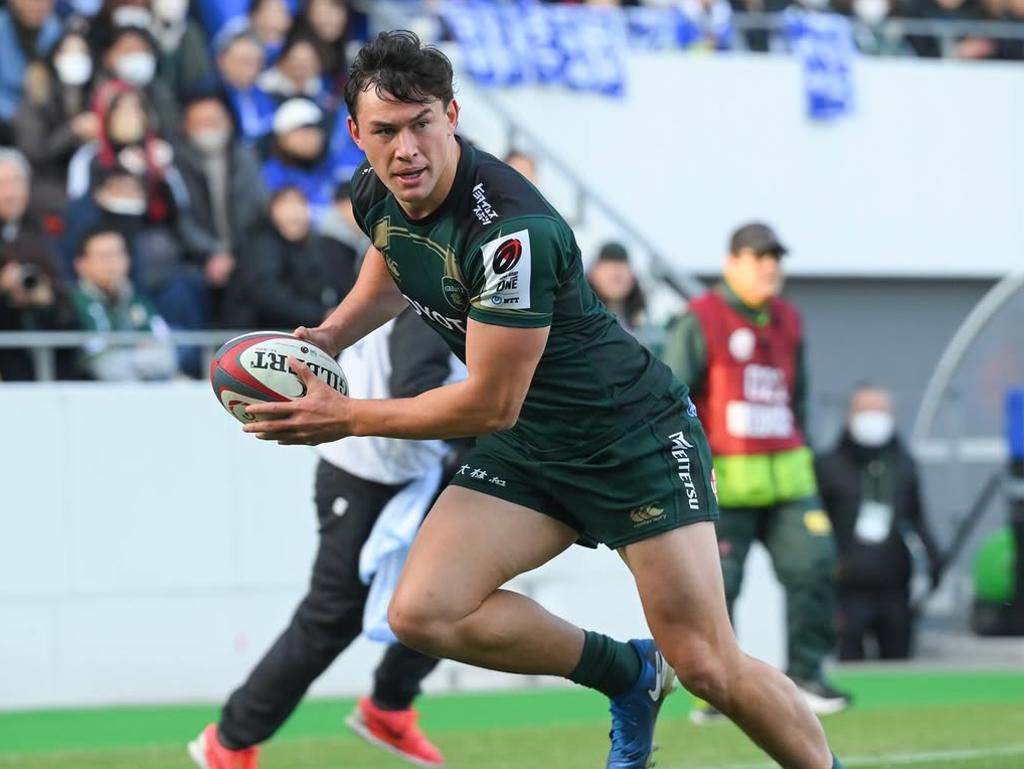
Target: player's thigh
[(679, 579), (799, 540), (471, 544)]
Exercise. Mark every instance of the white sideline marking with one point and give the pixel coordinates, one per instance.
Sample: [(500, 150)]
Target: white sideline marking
[(902, 758)]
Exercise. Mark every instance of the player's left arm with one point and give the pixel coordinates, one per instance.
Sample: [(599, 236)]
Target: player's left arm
[(500, 360)]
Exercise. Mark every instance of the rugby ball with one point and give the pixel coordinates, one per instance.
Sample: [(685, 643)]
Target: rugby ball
[(253, 368)]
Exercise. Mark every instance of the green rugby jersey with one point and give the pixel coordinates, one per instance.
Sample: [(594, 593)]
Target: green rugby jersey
[(497, 252)]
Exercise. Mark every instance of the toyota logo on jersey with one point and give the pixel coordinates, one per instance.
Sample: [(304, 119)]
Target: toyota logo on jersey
[(507, 256)]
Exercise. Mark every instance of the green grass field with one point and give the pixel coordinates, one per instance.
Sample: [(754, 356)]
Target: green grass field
[(933, 719)]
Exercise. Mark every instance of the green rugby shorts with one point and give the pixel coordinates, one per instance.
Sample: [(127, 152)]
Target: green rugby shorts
[(655, 477)]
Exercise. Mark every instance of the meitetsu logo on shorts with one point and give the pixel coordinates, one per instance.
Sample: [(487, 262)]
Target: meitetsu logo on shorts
[(507, 272), (679, 448)]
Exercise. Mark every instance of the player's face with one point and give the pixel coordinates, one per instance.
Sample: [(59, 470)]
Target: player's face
[(754, 277), (410, 146)]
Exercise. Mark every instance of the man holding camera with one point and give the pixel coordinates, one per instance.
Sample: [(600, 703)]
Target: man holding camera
[(31, 295)]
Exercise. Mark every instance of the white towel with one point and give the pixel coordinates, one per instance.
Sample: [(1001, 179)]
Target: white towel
[(384, 552)]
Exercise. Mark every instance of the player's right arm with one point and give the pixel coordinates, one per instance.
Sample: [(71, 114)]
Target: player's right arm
[(372, 302)]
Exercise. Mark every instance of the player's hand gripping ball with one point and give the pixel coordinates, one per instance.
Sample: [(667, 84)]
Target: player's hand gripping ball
[(253, 368)]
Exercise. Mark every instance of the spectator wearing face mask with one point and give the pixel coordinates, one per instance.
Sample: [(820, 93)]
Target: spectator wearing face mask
[(291, 276), (28, 28), (130, 56), (127, 136), (870, 489), (297, 72), (225, 190), (55, 119), (154, 221), (183, 58), (118, 200), (870, 35), (300, 155), (240, 59), (105, 300)]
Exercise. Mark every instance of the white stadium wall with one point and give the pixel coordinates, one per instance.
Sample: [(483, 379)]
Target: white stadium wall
[(925, 179), (150, 552)]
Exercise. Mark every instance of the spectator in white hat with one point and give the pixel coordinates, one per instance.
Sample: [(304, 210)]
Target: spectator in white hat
[(299, 154)]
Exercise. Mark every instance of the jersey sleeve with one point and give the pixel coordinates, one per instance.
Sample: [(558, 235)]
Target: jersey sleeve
[(365, 194), (515, 272)]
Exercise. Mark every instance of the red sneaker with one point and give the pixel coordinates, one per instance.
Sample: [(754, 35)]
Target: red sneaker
[(394, 730), (208, 753)]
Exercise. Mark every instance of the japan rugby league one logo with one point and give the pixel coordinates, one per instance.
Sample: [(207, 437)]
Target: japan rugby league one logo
[(505, 258)]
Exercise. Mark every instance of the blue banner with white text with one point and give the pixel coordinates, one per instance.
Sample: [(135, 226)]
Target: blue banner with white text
[(577, 46), (824, 44)]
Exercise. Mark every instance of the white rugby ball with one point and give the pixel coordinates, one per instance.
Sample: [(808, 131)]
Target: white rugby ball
[(253, 368)]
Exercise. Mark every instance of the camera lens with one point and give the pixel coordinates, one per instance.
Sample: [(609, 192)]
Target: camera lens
[(29, 276)]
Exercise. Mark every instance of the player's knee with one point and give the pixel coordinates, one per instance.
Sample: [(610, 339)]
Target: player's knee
[(703, 668), (704, 678), (415, 625)]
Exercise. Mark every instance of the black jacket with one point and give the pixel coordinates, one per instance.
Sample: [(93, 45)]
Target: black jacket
[(842, 475), (281, 284), (247, 197)]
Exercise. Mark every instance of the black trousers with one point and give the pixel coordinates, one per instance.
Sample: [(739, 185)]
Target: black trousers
[(327, 620), (883, 615)]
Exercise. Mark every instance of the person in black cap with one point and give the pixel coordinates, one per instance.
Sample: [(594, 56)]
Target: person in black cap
[(740, 350), (613, 280)]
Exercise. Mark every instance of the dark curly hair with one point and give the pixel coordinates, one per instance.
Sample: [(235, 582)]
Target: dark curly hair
[(398, 67)]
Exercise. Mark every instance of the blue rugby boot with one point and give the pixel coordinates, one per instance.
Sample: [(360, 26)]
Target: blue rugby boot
[(635, 710)]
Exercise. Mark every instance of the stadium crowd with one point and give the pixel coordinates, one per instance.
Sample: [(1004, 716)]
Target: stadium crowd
[(176, 165)]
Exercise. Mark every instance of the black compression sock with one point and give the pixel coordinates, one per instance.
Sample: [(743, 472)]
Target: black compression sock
[(607, 665)]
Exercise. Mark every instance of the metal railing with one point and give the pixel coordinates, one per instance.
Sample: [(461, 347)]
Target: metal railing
[(43, 345), (948, 32)]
